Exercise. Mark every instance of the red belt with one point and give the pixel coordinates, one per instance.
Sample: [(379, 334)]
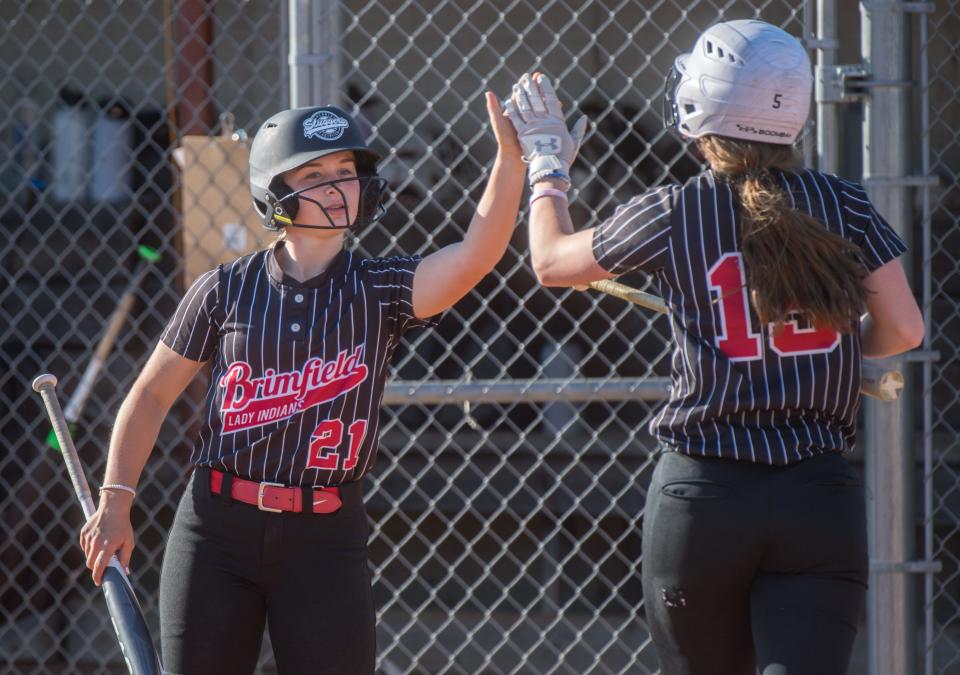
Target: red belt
[(276, 496)]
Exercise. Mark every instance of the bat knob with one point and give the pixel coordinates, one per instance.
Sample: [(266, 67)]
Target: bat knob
[(892, 383), (43, 380)]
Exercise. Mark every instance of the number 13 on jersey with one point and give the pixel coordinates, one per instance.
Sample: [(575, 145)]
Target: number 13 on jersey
[(326, 439), (736, 337)]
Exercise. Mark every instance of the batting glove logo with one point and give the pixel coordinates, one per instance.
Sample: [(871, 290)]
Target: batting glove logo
[(325, 125), (547, 145)]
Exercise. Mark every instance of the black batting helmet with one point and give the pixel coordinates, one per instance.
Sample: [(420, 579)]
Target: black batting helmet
[(296, 137)]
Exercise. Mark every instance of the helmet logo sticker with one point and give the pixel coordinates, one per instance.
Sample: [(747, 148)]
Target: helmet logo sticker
[(324, 125), (746, 128)]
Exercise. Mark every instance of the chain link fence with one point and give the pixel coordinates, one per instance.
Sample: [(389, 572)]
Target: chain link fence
[(505, 535), (939, 58)]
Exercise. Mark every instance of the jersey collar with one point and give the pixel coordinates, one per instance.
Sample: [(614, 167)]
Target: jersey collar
[(337, 268)]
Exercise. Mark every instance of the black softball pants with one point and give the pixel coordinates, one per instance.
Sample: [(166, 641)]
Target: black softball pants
[(230, 568), (749, 567)]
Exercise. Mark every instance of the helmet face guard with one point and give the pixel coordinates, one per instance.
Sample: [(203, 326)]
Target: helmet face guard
[(285, 204), (296, 137)]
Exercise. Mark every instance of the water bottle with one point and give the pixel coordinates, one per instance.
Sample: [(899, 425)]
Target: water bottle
[(112, 153), (71, 135)]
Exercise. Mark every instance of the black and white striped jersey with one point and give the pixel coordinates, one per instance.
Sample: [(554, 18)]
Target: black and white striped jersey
[(739, 391), (298, 369)]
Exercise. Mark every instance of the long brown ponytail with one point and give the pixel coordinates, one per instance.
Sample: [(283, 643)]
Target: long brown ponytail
[(791, 260)]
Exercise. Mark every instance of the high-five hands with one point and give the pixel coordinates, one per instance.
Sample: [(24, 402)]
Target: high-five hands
[(548, 147), (503, 131)]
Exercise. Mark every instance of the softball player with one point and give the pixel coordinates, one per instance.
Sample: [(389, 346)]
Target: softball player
[(271, 528), (754, 538)]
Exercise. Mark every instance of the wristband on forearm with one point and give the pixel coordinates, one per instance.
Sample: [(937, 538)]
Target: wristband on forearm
[(547, 192), (555, 174), (119, 487)]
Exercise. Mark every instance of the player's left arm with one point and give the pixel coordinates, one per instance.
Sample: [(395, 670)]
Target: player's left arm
[(443, 277)]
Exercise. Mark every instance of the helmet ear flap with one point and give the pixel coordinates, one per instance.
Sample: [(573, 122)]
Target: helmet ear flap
[(266, 214), (371, 200), (366, 165), (279, 202)]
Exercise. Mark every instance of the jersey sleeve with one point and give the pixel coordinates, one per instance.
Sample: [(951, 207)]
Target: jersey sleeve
[(879, 241), (392, 278), (637, 235), (192, 331)]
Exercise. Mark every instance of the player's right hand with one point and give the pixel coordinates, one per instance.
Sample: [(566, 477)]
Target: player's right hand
[(547, 145), (503, 130), (107, 532)]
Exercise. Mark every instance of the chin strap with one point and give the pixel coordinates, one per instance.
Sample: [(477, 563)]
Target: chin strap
[(320, 227)]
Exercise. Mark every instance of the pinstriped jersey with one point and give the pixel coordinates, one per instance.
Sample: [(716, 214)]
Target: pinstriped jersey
[(738, 390), (298, 369)]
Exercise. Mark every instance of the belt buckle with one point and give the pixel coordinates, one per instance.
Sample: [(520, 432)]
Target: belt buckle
[(260, 490)]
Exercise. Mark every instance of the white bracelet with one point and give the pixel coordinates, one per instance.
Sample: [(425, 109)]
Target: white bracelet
[(547, 192), (118, 486)]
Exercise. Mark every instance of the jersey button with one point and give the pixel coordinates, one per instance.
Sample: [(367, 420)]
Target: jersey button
[(298, 298), (295, 327)]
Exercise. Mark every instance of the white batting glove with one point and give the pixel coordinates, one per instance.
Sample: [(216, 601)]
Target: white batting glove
[(548, 147)]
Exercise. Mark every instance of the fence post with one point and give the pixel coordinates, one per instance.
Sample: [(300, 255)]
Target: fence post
[(314, 27), (888, 449), (828, 113)]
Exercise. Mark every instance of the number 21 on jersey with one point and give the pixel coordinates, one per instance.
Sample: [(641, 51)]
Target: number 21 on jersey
[(736, 337), (325, 440)]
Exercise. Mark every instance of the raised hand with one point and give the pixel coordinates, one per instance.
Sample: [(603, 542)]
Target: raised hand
[(507, 143), (548, 147)]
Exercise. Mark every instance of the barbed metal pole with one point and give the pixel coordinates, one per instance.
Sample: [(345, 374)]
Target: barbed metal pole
[(808, 145), (888, 456), (828, 114), (314, 27), (928, 617)]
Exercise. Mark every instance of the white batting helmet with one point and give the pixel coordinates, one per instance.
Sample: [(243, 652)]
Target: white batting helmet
[(743, 79)]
